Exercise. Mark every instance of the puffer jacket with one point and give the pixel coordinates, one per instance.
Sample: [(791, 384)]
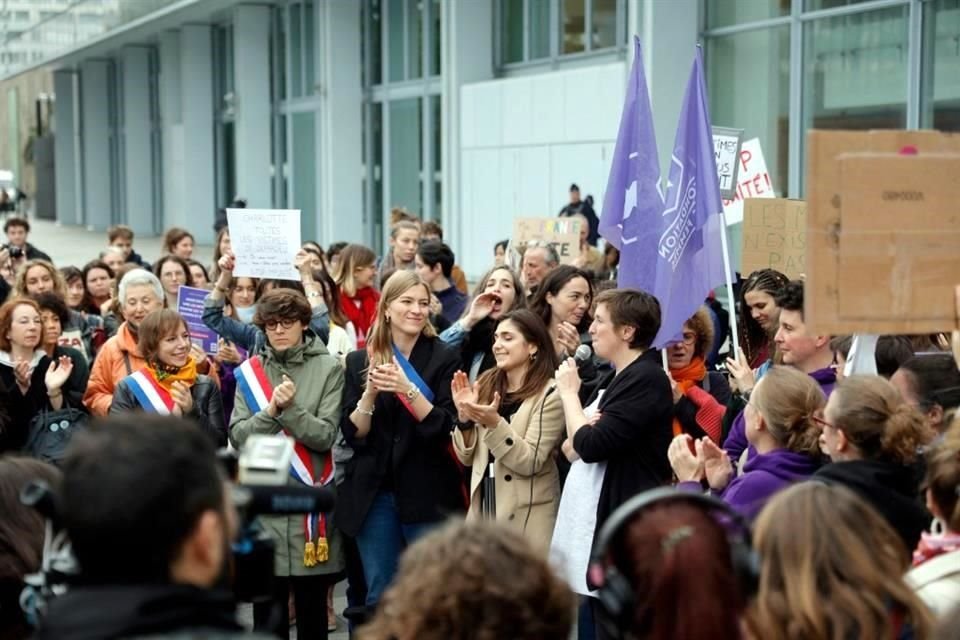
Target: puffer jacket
[(207, 406), (312, 420)]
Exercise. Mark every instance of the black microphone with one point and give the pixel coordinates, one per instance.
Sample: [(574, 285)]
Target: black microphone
[(281, 500)]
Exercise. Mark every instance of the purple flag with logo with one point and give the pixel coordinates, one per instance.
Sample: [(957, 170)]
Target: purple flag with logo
[(671, 245)]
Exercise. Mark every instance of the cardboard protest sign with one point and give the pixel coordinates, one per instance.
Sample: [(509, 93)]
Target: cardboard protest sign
[(883, 232), (726, 152), (774, 235), (265, 242), (190, 307), (753, 181), (562, 233)]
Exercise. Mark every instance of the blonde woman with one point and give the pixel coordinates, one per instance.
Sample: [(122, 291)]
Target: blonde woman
[(398, 415), (831, 567)]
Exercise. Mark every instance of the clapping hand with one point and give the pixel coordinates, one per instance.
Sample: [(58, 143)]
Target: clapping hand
[(21, 371), (716, 464), (182, 398), (390, 378), (485, 414), (463, 393), (57, 373), (568, 339), (686, 465), (227, 352), (284, 393)]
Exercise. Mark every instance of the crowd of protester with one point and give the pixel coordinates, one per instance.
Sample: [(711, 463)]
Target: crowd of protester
[(494, 478)]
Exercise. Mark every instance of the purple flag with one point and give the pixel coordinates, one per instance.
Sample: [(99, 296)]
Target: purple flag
[(671, 245), (633, 192), (691, 241)]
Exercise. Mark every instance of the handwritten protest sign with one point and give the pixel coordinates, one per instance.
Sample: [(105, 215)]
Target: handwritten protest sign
[(562, 233), (774, 235), (753, 181), (265, 242), (726, 151), (190, 307)]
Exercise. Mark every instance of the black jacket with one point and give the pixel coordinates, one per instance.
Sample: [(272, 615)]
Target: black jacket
[(423, 474), (155, 611), (207, 407), (633, 433), (33, 253), (893, 490)]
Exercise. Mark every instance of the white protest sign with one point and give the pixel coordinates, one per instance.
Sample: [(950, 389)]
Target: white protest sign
[(753, 181), (726, 151), (265, 242)]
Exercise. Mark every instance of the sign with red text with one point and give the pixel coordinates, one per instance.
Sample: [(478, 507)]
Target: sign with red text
[(753, 181)]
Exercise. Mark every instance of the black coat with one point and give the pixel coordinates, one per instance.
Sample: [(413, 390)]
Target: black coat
[(207, 407), (893, 490), (632, 434), (412, 459)]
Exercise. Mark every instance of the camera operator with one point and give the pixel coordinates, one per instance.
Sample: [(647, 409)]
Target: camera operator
[(147, 509)]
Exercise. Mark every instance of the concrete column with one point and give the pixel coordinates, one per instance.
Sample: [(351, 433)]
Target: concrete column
[(66, 149), (95, 138), (466, 56), (340, 196), (138, 145), (198, 205), (251, 59), (172, 127)]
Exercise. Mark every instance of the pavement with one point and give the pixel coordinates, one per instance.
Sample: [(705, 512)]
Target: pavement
[(75, 245)]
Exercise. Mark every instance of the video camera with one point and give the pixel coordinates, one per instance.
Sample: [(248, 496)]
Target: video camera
[(259, 488)]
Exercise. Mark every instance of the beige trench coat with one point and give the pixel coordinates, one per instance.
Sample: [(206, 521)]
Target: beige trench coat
[(513, 445)]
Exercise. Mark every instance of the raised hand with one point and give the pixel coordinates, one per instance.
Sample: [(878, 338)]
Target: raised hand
[(227, 262), (686, 465), (463, 393), (716, 464), (568, 339), (284, 393), (741, 372), (57, 373), (485, 414), (568, 378), (182, 398), (481, 307)]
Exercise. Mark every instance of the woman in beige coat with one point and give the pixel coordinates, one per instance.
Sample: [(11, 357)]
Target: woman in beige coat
[(509, 423)]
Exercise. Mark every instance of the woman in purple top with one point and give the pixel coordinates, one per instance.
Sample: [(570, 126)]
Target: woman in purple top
[(780, 425)]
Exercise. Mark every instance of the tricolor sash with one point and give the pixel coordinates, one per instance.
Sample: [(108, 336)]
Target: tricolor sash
[(148, 392), (413, 377), (257, 391)]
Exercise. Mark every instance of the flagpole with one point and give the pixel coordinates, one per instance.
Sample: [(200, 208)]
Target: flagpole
[(728, 273)]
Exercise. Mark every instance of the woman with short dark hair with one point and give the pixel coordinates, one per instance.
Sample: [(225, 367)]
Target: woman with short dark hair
[(173, 272), (169, 384), (55, 316), (617, 442)]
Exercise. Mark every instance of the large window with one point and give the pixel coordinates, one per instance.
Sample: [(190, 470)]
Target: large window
[(533, 30), (778, 68)]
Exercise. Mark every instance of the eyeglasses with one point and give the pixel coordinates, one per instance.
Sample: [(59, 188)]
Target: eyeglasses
[(689, 338), (818, 417), (286, 323)]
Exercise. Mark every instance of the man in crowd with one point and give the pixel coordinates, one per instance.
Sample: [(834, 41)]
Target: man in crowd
[(539, 259), (154, 560), (584, 207), (435, 265), (431, 230), (17, 230), (121, 236)]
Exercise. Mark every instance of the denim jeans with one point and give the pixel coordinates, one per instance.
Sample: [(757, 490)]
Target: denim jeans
[(381, 540)]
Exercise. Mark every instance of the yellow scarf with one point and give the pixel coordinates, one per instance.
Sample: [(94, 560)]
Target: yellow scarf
[(187, 373)]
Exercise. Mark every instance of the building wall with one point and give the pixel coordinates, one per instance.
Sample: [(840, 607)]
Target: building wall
[(524, 140)]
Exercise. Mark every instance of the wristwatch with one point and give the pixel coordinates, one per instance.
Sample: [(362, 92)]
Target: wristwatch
[(412, 393)]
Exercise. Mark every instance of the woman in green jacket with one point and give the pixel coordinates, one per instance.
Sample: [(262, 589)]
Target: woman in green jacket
[(294, 386)]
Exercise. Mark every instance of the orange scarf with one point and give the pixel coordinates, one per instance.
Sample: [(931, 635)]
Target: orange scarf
[(187, 373), (686, 378)]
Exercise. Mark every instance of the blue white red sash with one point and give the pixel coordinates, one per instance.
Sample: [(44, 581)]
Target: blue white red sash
[(257, 391), (148, 392), (413, 377)]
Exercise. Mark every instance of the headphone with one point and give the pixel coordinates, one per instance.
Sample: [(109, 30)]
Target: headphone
[(616, 595)]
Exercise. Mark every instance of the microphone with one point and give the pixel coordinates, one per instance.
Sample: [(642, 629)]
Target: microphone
[(282, 500), (582, 353)]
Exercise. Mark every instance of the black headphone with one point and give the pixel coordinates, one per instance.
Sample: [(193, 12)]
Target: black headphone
[(616, 596)]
